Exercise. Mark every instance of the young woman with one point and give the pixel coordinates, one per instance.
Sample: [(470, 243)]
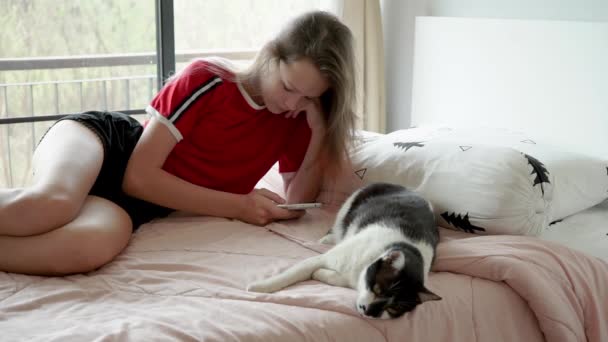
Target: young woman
[(214, 132)]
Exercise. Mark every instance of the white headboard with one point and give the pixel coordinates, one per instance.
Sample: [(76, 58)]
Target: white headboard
[(546, 78)]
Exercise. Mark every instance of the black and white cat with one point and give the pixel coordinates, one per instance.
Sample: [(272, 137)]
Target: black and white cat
[(385, 238)]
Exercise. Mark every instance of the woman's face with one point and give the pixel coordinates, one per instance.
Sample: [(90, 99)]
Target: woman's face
[(288, 86)]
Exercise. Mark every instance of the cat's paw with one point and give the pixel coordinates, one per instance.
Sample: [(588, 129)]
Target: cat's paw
[(259, 286), (327, 239)]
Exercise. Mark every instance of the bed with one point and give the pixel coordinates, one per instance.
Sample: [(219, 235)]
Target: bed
[(183, 278)]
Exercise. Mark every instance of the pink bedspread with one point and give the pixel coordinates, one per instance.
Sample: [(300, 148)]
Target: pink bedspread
[(566, 290), (183, 278)]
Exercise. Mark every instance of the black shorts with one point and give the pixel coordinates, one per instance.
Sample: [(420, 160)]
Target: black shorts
[(118, 133)]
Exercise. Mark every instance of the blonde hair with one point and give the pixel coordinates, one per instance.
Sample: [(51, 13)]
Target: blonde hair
[(321, 38)]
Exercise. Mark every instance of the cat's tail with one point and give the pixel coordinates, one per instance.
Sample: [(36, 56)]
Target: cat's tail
[(296, 273)]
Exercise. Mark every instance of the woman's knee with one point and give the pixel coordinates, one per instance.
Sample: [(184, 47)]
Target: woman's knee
[(59, 207), (48, 209)]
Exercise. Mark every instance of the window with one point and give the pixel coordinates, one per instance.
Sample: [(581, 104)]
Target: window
[(235, 29), (68, 56), (71, 55)]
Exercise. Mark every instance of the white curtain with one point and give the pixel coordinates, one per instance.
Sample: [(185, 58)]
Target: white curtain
[(364, 19)]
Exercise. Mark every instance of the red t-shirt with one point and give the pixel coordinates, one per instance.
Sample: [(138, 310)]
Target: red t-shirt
[(225, 140)]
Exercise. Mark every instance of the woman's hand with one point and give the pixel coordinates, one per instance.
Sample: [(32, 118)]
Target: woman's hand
[(259, 207), (314, 114)]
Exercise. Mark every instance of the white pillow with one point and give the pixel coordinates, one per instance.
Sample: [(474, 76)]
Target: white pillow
[(490, 181), (580, 181)]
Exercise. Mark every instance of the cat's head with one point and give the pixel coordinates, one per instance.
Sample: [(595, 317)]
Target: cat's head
[(393, 285)]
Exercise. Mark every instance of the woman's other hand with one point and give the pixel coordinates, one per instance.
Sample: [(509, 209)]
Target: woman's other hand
[(314, 114)]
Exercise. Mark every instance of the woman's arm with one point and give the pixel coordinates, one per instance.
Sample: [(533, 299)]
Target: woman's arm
[(145, 179), (304, 186)]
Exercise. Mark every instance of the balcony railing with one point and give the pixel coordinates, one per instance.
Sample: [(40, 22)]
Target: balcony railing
[(103, 84), (73, 62), (21, 126)]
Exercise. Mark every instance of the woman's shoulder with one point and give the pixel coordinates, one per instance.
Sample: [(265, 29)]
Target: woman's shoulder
[(210, 67)]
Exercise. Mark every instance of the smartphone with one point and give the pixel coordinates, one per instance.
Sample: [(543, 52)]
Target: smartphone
[(299, 206)]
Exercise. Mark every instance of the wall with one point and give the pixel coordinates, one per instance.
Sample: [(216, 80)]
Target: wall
[(546, 78), (398, 25)]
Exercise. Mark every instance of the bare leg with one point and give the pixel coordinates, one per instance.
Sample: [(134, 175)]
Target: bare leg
[(53, 227), (65, 165), (100, 231)]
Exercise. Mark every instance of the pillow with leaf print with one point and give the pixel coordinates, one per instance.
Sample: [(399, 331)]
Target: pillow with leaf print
[(489, 181)]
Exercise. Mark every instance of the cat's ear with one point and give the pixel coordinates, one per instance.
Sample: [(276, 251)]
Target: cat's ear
[(426, 295), (395, 258)]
